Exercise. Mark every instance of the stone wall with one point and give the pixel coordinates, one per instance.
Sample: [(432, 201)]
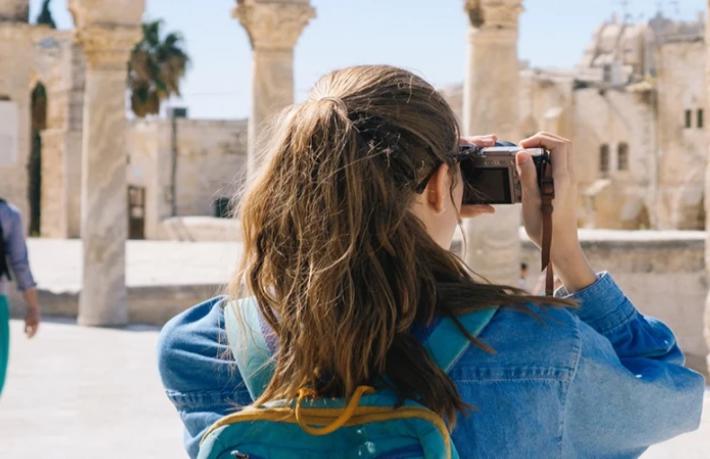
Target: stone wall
[(15, 89), (41, 55), (621, 197), (211, 163), (59, 66), (681, 149)]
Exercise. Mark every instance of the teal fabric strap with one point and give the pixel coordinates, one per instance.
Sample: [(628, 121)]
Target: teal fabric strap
[(248, 344), (446, 344)]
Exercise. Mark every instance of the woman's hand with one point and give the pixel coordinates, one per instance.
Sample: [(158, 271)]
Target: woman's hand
[(473, 210), (565, 253)]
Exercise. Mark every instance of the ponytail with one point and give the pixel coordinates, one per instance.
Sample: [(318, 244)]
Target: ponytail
[(340, 268)]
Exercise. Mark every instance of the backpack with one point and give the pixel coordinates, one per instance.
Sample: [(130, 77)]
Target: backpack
[(4, 268), (369, 425)]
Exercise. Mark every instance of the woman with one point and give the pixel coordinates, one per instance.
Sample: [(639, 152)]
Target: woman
[(346, 232)]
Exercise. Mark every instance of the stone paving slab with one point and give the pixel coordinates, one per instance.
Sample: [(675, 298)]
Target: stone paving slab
[(76, 392)]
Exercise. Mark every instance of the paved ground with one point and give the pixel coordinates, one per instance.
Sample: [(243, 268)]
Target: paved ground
[(148, 263), (76, 392)]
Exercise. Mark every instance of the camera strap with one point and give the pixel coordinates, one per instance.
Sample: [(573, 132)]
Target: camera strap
[(547, 194)]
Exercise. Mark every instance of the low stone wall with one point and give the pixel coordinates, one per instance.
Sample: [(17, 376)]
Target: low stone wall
[(151, 305), (201, 229)]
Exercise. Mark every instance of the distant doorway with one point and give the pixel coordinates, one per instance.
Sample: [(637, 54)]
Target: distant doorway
[(136, 212), (38, 123)]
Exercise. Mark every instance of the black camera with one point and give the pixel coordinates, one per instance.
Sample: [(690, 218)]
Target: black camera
[(489, 173)]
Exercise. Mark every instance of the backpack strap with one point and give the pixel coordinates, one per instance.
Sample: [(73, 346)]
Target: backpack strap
[(446, 344), (248, 344)]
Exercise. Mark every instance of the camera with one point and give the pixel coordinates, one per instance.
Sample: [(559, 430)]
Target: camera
[(489, 173)]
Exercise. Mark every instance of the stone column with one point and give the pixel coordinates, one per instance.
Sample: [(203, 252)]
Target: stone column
[(491, 106), (273, 28), (107, 31)]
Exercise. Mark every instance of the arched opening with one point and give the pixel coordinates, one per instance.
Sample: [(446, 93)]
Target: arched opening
[(38, 122)]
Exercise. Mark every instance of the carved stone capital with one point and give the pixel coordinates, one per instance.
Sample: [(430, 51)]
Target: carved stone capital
[(108, 48), (14, 10), (493, 14), (273, 25), (106, 13)]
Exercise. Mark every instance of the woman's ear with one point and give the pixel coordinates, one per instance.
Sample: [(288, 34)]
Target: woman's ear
[(438, 189)]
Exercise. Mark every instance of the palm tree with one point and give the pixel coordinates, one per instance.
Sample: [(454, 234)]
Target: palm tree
[(45, 16), (155, 69)]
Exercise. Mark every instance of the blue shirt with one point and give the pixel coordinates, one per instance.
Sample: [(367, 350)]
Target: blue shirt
[(598, 381), (15, 248)]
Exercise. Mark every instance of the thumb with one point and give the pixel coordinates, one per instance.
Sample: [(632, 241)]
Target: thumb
[(528, 174)]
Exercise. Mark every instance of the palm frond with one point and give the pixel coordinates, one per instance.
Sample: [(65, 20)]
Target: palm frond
[(156, 68)]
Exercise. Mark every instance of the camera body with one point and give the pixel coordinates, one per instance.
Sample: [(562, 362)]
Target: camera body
[(489, 173)]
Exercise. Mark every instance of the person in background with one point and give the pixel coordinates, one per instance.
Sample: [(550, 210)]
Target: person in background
[(14, 265)]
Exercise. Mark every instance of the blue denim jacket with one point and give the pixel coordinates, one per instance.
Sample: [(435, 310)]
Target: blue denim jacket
[(598, 381)]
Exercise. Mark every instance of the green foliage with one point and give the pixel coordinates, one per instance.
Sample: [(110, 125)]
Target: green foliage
[(45, 16), (155, 69)]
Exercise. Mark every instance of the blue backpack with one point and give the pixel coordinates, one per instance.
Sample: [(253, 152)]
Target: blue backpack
[(366, 426)]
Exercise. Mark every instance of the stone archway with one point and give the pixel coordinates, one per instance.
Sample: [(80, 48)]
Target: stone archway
[(38, 123)]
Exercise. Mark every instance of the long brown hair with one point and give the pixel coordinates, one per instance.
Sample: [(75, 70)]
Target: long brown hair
[(339, 266)]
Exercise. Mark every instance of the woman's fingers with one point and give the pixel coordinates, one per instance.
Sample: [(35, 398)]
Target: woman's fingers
[(528, 176), (487, 140), (558, 147), (473, 210)]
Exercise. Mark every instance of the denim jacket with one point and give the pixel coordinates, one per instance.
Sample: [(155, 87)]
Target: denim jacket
[(597, 381)]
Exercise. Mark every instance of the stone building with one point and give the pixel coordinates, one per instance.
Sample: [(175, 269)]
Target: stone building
[(210, 164), (33, 57), (210, 154), (633, 106), (634, 109)]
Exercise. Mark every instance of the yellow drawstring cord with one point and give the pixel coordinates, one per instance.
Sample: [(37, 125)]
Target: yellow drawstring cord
[(340, 420)]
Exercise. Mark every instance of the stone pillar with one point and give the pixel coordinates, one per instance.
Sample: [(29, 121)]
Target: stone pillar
[(107, 31), (491, 106), (273, 28)]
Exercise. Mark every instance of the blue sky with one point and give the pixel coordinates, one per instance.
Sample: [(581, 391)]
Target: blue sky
[(427, 36)]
